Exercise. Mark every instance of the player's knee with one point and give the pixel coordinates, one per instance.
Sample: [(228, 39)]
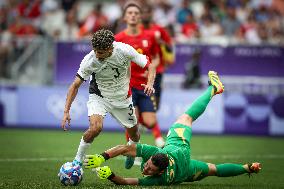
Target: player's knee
[(150, 123), (149, 119)]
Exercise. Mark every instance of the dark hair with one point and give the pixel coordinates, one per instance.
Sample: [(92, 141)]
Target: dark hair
[(160, 160), (131, 4), (102, 39)]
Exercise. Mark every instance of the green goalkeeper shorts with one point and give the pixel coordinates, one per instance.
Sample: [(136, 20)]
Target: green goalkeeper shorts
[(179, 135)]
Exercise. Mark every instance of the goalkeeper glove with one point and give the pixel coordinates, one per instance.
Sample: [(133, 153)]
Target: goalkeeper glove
[(104, 172), (93, 161)]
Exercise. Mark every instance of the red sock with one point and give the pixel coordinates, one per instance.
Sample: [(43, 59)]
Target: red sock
[(156, 131)]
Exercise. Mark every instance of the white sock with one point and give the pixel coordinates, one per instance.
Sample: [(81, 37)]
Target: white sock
[(81, 152), (131, 142)]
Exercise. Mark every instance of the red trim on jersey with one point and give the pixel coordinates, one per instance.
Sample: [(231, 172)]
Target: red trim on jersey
[(129, 93)]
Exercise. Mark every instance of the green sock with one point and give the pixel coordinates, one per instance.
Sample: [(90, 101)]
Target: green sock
[(230, 169), (200, 104)]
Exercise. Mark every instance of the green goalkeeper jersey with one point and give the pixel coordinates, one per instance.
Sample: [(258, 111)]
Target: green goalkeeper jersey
[(177, 149)]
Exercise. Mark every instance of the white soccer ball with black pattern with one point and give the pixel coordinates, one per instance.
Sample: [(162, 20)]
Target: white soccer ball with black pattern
[(70, 174)]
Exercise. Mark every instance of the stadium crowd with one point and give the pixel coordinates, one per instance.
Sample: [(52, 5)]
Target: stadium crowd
[(254, 22)]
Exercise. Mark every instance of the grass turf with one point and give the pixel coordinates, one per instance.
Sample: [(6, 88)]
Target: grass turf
[(32, 158)]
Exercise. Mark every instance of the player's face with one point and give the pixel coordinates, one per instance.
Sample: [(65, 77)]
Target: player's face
[(150, 168), (103, 54), (132, 16)]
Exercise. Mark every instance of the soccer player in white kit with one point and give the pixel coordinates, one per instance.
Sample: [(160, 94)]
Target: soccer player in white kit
[(108, 66)]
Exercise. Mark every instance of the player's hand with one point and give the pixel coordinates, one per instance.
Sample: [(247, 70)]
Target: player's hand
[(148, 89), (66, 118), (93, 161), (103, 172)]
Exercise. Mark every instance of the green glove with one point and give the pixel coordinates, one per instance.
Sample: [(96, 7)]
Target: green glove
[(104, 172), (93, 161)]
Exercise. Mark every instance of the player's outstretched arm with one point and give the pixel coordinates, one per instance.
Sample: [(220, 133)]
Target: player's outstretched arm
[(106, 173), (148, 88), (72, 92), (93, 161)]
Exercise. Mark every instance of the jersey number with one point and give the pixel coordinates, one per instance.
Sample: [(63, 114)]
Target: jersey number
[(131, 112), (117, 74)]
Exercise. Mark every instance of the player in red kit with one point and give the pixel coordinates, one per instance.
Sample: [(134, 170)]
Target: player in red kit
[(166, 58), (144, 42)]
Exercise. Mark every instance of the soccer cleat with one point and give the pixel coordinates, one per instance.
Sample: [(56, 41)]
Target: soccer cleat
[(76, 162), (254, 167), (129, 162), (214, 80)]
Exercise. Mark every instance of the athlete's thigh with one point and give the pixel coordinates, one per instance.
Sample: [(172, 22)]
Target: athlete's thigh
[(149, 119), (96, 106), (179, 135), (125, 116)]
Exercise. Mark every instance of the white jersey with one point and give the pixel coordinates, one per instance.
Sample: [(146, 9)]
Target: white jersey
[(110, 78)]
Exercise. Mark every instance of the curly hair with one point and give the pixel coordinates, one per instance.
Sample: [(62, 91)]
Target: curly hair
[(102, 39), (160, 160)]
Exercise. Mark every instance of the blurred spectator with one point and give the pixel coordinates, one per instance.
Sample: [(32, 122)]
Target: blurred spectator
[(243, 11), (209, 28), (261, 14), (94, 21), (184, 12), (164, 14), (67, 5), (217, 9), (118, 24), (22, 27), (5, 50), (29, 8), (230, 24), (190, 27), (249, 30), (53, 18), (70, 28), (279, 6)]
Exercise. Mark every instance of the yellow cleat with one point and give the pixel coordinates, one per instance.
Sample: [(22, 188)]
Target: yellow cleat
[(214, 80)]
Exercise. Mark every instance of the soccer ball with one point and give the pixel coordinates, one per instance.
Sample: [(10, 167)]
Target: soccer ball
[(70, 174)]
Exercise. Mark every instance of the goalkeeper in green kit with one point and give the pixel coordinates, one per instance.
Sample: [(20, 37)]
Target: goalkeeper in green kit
[(172, 164)]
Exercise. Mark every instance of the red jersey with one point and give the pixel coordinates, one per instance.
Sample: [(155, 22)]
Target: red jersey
[(161, 33), (144, 43)]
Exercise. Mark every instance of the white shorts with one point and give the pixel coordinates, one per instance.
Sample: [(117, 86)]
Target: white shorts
[(123, 111)]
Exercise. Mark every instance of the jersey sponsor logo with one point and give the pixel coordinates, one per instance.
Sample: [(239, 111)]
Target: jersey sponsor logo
[(139, 50), (171, 172)]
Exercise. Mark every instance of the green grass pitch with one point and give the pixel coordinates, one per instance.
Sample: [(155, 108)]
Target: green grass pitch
[(32, 158)]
